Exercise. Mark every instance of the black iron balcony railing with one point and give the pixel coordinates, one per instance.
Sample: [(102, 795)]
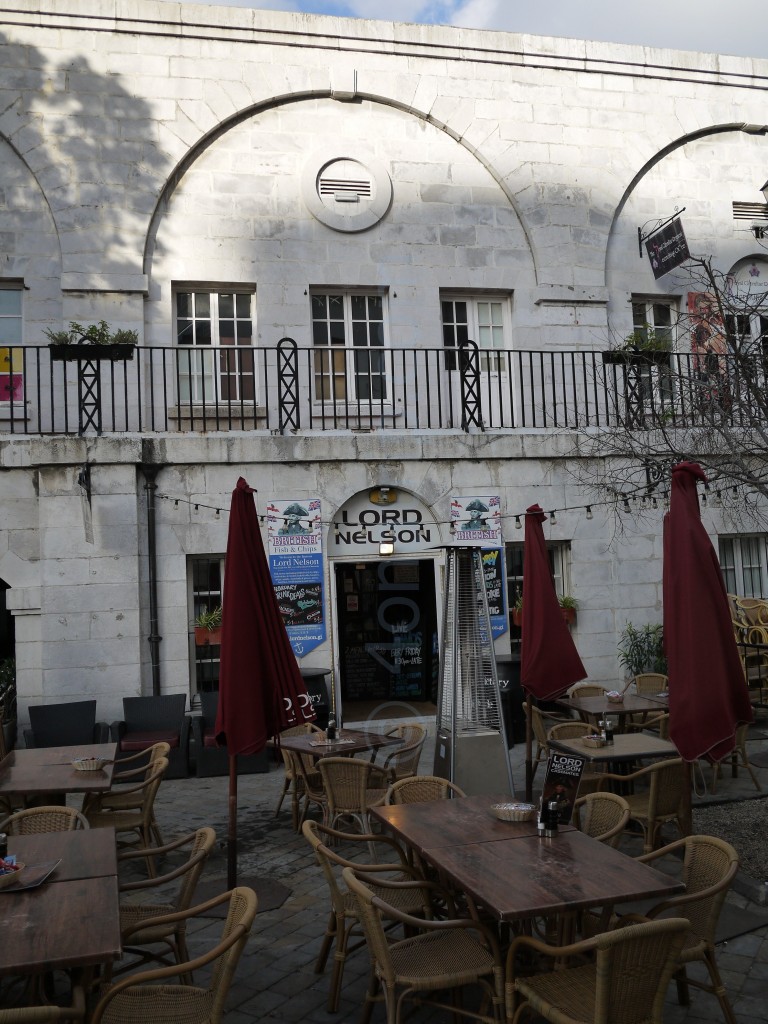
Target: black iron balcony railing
[(288, 389)]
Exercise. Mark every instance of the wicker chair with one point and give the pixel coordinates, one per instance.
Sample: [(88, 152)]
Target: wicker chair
[(403, 762), (738, 757), (539, 729), (346, 783), (649, 684), (626, 980), (48, 1013), (709, 866), (139, 996), (137, 919), (661, 802), (137, 820), (127, 796), (344, 920), (436, 955), (603, 816), (293, 781), (35, 820), (422, 789)]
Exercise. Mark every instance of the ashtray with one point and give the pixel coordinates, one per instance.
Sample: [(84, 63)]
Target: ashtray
[(89, 764), (514, 811), (593, 741), (8, 875), (615, 697)]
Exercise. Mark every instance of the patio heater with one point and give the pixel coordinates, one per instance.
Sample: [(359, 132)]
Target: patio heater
[(470, 745)]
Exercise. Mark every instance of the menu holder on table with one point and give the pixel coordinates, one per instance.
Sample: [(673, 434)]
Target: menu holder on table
[(561, 787), (329, 743)]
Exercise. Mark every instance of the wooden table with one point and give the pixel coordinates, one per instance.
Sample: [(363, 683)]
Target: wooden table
[(72, 919), (633, 704), (49, 770), (628, 746), (350, 741), (457, 822), (529, 876)]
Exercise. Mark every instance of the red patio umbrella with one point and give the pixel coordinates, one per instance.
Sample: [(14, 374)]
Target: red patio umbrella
[(708, 696), (550, 662), (261, 691)]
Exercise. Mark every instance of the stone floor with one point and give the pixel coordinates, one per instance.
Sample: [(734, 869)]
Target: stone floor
[(276, 978)]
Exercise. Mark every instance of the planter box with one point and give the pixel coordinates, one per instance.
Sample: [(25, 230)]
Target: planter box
[(73, 353), (205, 636), (569, 614), (649, 358)]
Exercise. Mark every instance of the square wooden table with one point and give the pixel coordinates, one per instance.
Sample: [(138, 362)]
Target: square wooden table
[(349, 741), (628, 746), (73, 918), (49, 770), (456, 822), (633, 704)]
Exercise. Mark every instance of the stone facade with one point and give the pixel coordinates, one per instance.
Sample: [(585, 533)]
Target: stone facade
[(156, 147)]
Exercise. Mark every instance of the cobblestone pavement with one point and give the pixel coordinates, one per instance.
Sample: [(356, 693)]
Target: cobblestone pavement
[(276, 979)]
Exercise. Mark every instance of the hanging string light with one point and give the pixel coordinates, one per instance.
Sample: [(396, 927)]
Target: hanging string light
[(552, 518)]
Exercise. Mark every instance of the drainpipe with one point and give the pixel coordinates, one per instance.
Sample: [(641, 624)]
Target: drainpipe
[(150, 475)]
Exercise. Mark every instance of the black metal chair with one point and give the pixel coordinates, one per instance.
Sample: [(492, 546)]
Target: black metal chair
[(150, 720), (211, 759), (65, 725)]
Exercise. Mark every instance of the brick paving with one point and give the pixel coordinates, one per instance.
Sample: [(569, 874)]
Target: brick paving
[(276, 978)]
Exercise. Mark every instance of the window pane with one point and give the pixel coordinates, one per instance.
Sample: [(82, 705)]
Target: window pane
[(226, 305), (10, 302), (226, 332), (185, 332), (203, 332), (359, 310), (319, 307), (243, 305), (183, 304), (202, 304), (10, 330), (319, 333)]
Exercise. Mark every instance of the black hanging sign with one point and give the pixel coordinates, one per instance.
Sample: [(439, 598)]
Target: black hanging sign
[(667, 248)]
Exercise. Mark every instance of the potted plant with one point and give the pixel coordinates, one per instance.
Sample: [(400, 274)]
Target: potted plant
[(568, 604), (8, 702), (208, 627), (517, 610), (97, 341), (641, 649), (640, 348)]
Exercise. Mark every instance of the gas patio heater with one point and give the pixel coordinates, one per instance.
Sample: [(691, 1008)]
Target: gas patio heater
[(471, 745)]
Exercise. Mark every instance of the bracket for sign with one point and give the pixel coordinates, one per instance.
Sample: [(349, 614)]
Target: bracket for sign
[(642, 234)]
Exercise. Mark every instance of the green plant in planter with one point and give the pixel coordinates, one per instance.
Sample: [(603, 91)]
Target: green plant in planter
[(209, 619), (567, 601), (94, 334), (641, 649)]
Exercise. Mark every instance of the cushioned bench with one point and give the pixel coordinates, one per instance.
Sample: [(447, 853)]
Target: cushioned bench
[(210, 759), (150, 720)]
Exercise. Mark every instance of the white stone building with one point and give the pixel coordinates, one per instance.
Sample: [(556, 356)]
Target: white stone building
[(219, 179)]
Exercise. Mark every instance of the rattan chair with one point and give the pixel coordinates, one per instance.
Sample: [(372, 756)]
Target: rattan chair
[(539, 729), (154, 996), (292, 781), (137, 919), (603, 816), (344, 921), (422, 789), (348, 790), (738, 757), (437, 955), (650, 684), (35, 820), (49, 1013), (660, 802), (135, 820), (124, 795), (404, 761), (625, 977), (709, 866)]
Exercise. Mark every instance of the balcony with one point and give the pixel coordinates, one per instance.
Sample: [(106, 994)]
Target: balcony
[(288, 389)]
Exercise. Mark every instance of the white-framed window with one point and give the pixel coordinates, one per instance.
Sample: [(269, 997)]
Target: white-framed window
[(559, 563), (214, 333), (11, 332), (744, 564), (349, 335), (482, 319), (653, 325)]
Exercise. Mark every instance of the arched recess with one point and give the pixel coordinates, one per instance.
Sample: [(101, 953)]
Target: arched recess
[(288, 100)]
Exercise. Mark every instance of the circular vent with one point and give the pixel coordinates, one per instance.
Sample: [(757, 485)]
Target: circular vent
[(346, 193)]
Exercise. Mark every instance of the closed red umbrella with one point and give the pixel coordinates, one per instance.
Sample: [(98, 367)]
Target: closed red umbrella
[(550, 662), (261, 691), (708, 696)]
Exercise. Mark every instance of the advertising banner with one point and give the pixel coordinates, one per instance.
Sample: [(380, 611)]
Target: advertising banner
[(476, 521), (495, 586), (295, 548), (667, 248)]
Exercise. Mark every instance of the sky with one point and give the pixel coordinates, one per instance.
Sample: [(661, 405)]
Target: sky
[(705, 25)]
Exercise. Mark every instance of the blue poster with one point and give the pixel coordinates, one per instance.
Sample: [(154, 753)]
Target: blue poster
[(295, 546)]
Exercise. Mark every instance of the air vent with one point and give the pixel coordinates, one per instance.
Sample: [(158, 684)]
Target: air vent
[(345, 190), (750, 211)]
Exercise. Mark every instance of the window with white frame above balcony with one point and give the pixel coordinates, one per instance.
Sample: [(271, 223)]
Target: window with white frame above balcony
[(11, 354), (350, 340), (214, 332), (653, 329), (744, 564), (482, 319)]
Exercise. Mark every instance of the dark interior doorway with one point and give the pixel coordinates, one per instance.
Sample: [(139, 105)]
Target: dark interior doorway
[(387, 628)]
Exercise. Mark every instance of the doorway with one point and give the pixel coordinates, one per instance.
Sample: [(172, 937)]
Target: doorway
[(387, 628)]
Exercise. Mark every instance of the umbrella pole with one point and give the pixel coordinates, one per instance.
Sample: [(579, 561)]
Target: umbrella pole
[(528, 749), (232, 834)]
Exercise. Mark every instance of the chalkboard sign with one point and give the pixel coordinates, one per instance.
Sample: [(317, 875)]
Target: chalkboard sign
[(301, 604), (361, 679)]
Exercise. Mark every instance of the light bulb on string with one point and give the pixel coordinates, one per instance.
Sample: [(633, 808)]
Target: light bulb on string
[(518, 524), (197, 508), (626, 505), (589, 512), (552, 518), (218, 514)]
